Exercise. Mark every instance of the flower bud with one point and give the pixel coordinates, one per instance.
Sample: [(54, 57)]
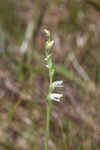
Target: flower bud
[(49, 44), (47, 32)]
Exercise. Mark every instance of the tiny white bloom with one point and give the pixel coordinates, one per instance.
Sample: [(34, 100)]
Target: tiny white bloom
[(56, 96), (47, 57), (58, 83), (47, 66), (49, 44), (47, 32)]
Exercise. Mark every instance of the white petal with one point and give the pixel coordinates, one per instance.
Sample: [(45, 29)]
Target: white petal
[(47, 57), (58, 84), (56, 96), (47, 32), (49, 44), (47, 66)]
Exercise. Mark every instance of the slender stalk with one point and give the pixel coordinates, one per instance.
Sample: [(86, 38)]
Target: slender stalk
[(48, 115), (47, 124)]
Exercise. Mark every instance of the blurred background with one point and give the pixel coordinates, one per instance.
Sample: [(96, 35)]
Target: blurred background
[(75, 28)]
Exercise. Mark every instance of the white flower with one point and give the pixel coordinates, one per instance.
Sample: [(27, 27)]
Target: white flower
[(47, 58), (57, 84), (47, 32), (47, 66), (56, 96), (49, 44)]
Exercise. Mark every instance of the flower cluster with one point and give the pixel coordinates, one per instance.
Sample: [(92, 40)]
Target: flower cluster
[(50, 66)]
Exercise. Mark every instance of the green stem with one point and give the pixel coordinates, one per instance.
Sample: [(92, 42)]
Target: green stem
[(47, 123)]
